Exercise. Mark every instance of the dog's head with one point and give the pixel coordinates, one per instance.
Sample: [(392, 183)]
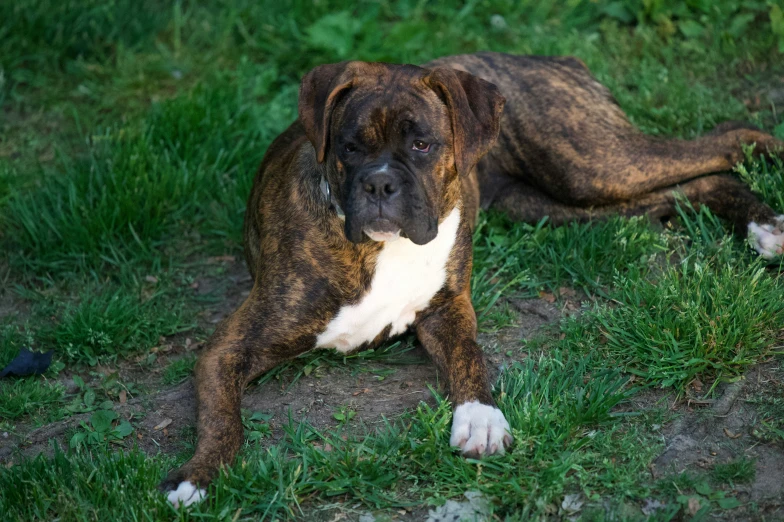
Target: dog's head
[(396, 139)]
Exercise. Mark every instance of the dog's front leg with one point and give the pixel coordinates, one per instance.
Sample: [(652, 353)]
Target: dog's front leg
[(449, 336), (243, 347)]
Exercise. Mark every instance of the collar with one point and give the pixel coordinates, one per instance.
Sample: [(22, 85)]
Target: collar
[(333, 204)]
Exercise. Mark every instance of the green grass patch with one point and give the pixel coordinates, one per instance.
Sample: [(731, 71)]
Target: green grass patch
[(741, 470), (49, 32), (38, 397), (183, 174), (514, 258), (113, 323), (76, 486), (764, 176), (710, 316), (179, 370), (12, 340), (29, 396)]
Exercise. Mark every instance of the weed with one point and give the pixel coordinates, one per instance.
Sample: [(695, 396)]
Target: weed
[(86, 399), (115, 389), (179, 370), (344, 414), (741, 470), (104, 427), (256, 425)]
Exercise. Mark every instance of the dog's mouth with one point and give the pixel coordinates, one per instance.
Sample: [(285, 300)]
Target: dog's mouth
[(382, 230)]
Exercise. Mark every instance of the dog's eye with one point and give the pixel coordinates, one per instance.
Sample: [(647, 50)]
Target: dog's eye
[(350, 147), (421, 146)]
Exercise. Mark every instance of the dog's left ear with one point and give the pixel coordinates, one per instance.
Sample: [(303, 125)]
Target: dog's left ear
[(475, 107), (319, 92)]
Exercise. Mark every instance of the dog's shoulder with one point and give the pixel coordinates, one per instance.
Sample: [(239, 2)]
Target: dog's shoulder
[(285, 202)]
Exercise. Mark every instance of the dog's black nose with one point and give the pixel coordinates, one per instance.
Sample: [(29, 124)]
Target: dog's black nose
[(381, 185)]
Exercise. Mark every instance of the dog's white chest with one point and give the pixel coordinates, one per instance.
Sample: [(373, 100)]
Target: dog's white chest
[(407, 276)]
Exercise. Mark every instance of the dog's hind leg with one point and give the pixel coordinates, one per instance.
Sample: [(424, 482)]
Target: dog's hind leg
[(647, 163), (563, 132), (724, 195), (627, 164), (522, 202)]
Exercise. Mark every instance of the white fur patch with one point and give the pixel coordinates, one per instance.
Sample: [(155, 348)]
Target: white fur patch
[(186, 494), (767, 240), (407, 276), (479, 429)]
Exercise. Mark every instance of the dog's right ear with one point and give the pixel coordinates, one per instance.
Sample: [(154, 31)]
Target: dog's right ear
[(319, 92)]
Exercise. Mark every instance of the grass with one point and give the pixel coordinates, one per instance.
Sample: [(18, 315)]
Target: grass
[(69, 484), (28, 396), (738, 471), (129, 136), (115, 324), (512, 258), (142, 189), (764, 177), (708, 316), (179, 370), (102, 322)]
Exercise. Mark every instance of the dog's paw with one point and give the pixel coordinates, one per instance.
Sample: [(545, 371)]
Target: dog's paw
[(768, 239), (479, 429), (185, 494)]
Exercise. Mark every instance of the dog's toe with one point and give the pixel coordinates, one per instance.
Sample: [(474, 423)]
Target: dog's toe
[(767, 239), (479, 429), (185, 494)]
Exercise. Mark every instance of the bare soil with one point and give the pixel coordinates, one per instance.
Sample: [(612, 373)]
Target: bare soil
[(706, 435)]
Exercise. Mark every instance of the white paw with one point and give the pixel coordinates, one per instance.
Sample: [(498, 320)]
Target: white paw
[(186, 494), (767, 240), (479, 429)]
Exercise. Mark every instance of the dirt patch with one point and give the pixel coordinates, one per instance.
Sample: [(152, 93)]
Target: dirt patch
[(722, 431)]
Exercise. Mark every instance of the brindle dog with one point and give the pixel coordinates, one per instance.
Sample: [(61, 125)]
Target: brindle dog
[(359, 223)]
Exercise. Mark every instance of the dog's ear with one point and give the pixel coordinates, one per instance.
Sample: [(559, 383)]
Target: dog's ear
[(475, 107), (319, 92)]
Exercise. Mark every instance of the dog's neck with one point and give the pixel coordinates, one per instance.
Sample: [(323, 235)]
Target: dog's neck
[(330, 198)]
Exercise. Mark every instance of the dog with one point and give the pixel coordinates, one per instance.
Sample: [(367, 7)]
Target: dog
[(359, 223)]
